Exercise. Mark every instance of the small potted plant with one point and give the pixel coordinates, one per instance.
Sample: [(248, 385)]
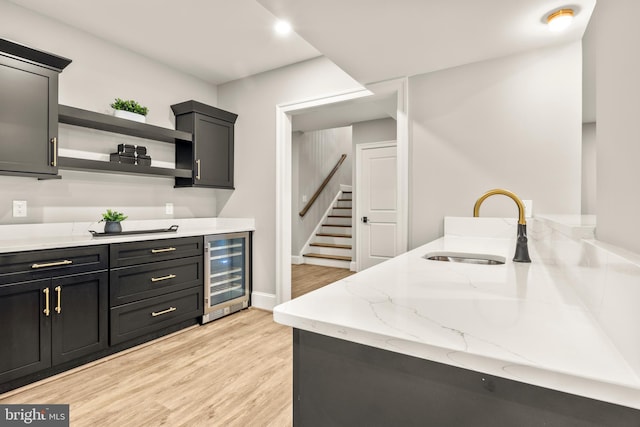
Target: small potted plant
[(112, 221), (129, 109)]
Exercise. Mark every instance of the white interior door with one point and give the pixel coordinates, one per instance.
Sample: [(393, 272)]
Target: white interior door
[(376, 203)]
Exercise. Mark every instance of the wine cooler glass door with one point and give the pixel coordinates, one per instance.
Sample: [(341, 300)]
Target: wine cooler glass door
[(227, 266)]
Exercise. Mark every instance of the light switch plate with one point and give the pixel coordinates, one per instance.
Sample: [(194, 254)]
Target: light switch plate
[(528, 208), (168, 208), (19, 208)]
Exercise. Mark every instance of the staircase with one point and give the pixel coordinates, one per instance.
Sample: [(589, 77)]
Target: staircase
[(331, 244)]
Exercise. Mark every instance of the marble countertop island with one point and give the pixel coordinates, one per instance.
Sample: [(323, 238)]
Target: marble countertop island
[(524, 322)]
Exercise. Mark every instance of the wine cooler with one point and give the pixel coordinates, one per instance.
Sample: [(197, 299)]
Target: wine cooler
[(227, 274)]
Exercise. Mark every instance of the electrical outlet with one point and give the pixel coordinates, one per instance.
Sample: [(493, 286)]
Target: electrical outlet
[(304, 198), (19, 208), (168, 208), (528, 208)]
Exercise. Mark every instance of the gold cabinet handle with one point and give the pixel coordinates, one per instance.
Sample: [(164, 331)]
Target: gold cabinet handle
[(46, 301), (198, 169), (160, 313), (54, 142), (158, 251), (58, 308), (160, 279), (52, 264)]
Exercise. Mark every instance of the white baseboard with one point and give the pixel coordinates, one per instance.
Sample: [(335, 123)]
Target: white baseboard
[(263, 300), (297, 260)]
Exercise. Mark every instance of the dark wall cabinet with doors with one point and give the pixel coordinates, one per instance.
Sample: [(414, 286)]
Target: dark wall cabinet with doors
[(211, 153), (29, 110), (53, 308)]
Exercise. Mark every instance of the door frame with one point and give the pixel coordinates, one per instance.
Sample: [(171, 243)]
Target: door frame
[(359, 148), (284, 113)]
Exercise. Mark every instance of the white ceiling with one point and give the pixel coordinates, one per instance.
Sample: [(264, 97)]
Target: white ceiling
[(372, 40), (375, 40), (215, 40)]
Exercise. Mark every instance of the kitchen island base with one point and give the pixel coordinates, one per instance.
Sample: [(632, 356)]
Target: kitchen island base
[(341, 383)]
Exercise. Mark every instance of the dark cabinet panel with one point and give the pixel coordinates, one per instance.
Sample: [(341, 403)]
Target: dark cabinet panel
[(142, 317), (24, 329), (132, 253), (134, 283), (28, 110), (79, 316), (22, 266), (211, 155)]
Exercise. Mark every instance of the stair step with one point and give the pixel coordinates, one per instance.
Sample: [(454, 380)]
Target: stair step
[(331, 245), (347, 192), (348, 236), (345, 200), (336, 225), (339, 216), (336, 257), (342, 207)]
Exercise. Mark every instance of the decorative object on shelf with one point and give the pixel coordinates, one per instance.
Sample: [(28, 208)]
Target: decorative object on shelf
[(129, 110), (112, 220), (131, 155)]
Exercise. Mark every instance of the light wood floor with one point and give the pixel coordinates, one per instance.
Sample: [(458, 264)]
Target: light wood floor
[(235, 371), (306, 278)]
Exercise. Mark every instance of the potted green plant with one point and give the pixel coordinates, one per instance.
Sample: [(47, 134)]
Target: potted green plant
[(129, 109), (112, 221)]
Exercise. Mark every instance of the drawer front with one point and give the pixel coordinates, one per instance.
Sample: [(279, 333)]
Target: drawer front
[(22, 266), (129, 284), (135, 319), (132, 253)]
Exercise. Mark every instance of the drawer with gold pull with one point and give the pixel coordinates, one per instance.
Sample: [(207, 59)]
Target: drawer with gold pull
[(133, 253), (139, 318), (21, 266), (129, 284)]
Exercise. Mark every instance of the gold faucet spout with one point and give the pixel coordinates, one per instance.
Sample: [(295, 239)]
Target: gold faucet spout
[(521, 210)]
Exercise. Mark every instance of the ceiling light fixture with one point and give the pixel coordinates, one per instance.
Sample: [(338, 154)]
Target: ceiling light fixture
[(560, 19), (282, 27)]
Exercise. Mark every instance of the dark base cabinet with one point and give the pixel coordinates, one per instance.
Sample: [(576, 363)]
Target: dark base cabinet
[(75, 324), (61, 308), (340, 383)]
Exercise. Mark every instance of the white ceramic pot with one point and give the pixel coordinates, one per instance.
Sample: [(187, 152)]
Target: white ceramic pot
[(129, 116)]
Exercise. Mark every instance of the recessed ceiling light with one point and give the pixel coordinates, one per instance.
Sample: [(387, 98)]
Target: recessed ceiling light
[(560, 19), (282, 27)]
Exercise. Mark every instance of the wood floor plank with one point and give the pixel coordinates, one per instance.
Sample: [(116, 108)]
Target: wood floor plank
[(235, 371)]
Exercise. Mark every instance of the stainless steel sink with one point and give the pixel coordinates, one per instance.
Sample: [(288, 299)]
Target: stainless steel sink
[(467, 258)]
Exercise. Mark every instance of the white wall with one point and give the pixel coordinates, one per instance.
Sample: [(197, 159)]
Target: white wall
[(513, 122), (314, 154), (99, 73), (374, 131), (589, 163), (618, 112), (254, 99)]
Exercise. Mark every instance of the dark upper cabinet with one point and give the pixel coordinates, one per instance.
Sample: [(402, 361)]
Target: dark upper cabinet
[(28, 110), (210, 155)]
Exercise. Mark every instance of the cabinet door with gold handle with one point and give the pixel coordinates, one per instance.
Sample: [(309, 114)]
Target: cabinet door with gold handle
[(58, 308)]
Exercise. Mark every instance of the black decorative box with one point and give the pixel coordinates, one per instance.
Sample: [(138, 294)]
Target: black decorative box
[(143, 160), (126, 149), (141, 150), (123, 158)]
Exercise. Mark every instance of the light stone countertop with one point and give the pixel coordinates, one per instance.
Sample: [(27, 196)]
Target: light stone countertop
[(518, 321), (14, 238)]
